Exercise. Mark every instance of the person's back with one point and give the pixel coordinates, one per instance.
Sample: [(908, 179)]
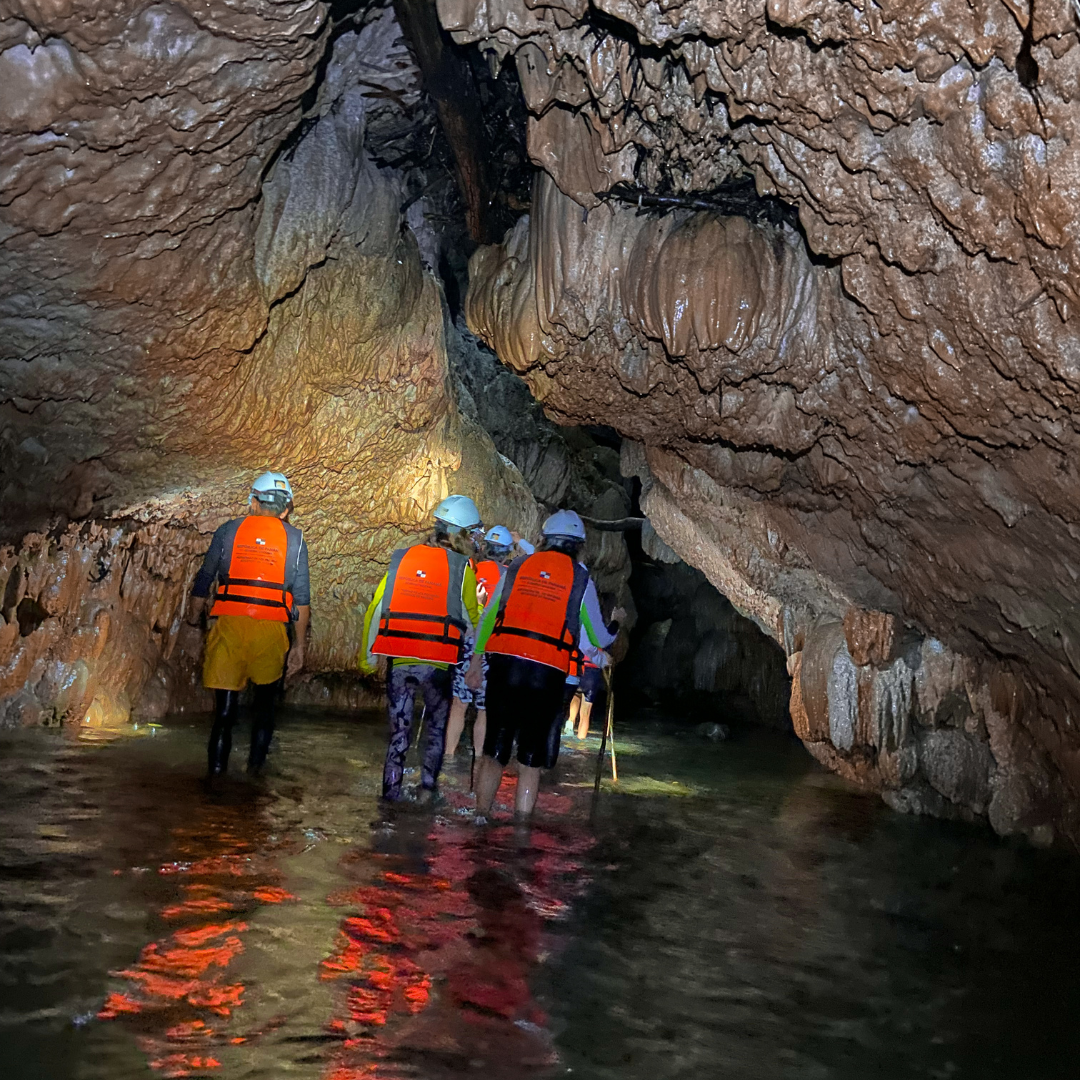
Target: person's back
[(529, 634), (258, 567), (423, 612)]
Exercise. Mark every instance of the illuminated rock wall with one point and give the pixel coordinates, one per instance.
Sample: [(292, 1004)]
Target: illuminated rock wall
[(869, 418), (185, 306)]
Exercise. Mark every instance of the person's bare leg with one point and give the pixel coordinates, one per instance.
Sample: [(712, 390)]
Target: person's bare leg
[(528, 787), (583, 719), (488, 778), (479, 731), (575, 705), (455, 726)]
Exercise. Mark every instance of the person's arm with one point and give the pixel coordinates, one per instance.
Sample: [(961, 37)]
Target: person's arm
[(592, 621), (301, 590), (366, 660), (468, 595), (208, 572), (296, 653)]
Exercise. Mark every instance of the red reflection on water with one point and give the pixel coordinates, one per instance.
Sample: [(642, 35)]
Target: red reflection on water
[(179, 997), (435, 958)]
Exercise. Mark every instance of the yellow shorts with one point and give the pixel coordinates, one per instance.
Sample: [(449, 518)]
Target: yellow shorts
[(239, 648)]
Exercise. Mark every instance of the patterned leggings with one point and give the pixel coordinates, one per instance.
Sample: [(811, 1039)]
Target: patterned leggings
[(402, 686)]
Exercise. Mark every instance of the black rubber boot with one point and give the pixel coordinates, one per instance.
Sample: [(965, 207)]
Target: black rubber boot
[(226, 707), (262, 725)]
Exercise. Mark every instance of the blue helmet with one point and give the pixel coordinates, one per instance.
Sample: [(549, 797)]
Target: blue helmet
[(526, 548), (499, 536), (565, 523), (458, 512)]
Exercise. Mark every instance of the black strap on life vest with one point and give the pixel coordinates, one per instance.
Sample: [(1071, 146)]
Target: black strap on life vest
[(416, 635), (255, 583), (559, 642)]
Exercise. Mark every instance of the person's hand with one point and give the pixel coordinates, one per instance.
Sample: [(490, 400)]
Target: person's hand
[(474, 677), (296, 661), (481, 595), (619, 615)]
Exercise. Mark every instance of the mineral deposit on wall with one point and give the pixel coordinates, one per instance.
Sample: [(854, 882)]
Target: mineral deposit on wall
[(861, 424), (187, 301)]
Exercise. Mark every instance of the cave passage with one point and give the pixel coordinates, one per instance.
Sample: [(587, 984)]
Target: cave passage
[(731, 909), (780, 298)]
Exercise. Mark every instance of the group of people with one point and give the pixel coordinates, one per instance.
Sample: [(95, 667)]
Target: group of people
[(463, 617)]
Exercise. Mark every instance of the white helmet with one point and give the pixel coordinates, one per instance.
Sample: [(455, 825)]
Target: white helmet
[(458, 511), (270, 486), (565, 523), (499, 535)]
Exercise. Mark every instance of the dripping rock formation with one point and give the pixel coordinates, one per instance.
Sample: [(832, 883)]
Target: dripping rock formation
[(204, 273), (850, 390)]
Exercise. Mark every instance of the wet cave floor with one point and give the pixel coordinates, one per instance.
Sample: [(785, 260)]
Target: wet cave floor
[(730, 911)]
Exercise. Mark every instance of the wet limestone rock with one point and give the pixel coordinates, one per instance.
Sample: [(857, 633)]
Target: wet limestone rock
[(875, 410), (187, 300)]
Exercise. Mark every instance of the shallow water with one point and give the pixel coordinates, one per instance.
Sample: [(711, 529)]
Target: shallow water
[(729, 911)]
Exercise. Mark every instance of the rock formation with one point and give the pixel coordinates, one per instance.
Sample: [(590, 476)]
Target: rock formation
[(860, 421), (189, 299)]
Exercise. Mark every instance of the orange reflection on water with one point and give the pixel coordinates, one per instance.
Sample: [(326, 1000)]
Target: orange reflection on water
[(179, 997), (435, 959)]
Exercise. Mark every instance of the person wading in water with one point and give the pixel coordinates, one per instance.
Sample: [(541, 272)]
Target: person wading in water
[(529, 633), (499, 549), (260, 565), (421, 615)]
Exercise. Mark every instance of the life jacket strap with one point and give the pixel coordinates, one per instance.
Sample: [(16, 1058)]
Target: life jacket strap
[(447, 622), (255, 583), (500, 627)]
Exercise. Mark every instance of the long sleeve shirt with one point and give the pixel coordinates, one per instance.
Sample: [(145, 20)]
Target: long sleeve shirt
[(371, 622)]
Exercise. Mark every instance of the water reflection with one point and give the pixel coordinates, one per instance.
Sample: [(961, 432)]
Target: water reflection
[(183, 998), (444, 928), (730, 910)]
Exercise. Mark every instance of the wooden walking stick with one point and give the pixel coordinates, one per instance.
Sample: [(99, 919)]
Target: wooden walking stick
[(610, 725), (609, 732)]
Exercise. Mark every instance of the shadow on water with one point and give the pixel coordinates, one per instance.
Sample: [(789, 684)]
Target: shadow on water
[(729, 910)]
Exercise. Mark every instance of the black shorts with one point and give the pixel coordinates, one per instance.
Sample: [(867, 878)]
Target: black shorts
[(592, 683), (525, 701)]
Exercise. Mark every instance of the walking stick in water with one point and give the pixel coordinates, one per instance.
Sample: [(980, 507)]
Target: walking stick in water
[(609, 733)]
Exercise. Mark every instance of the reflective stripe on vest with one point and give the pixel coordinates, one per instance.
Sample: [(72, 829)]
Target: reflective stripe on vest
[(421, 614), (539, 615), (255, 583)]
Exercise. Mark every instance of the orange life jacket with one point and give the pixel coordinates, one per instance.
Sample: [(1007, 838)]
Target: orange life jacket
[(539, 616), (421, 614), (255, 585), (488, 574)]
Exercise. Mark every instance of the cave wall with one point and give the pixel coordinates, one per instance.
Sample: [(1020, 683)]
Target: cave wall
[(204, 274), (860, 423), (562, 466)]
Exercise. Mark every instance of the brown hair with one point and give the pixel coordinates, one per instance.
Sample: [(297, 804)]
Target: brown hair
[(458, 542)]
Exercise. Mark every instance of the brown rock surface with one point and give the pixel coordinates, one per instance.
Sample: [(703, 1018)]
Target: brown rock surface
[(185, 304), (876, 411)]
